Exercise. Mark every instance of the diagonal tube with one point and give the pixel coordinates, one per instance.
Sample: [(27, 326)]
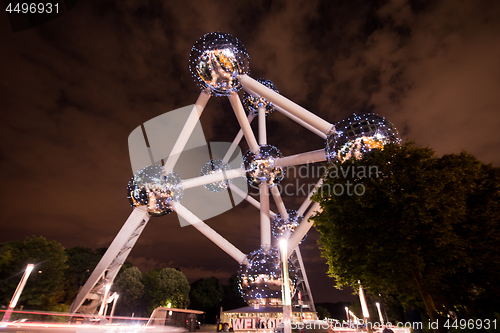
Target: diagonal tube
[(303, 158), (188, 128), (307, 116), (302, 229), (236, 142), (235, 189), (275, 192), (234, 99), (308, 201), (210, 233)]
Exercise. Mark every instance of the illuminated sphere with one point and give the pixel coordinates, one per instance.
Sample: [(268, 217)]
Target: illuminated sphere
[(152, 188), (216, 60), (252, 103), (261, 278), (279, 226), (211, 167), (261, 167), (357, 135)]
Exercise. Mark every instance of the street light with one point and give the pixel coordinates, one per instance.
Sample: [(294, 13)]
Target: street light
[(107, 286), (380, 314), (285, 290), (17, 293)]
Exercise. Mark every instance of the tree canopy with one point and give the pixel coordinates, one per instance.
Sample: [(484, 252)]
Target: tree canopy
[(207, 295), (417, 226), (44, 288), (164, 286), (129, 286)]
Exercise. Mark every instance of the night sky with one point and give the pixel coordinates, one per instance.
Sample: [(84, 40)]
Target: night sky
[(74, 88)]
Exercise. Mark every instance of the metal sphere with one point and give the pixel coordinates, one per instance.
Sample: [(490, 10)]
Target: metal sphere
[(279, 226), (152, 188), (252, 103), (211, 167), (357, 135), (261, 167), (216, 60), (261, 278)]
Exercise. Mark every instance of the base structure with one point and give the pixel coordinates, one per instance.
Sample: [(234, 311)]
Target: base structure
[(93, 297)]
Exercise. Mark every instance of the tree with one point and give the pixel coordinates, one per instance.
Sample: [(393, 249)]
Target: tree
[(128, 284), (206, 295), (232, 296), (322, 312), (44, 288), (164, 286), (80, 264), (420, 227)]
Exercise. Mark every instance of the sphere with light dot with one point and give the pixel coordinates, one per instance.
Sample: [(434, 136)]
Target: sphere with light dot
[(359, 134), (153, 188), (215, 166), (261, 277), (252, 103), (280, 225), (215, 62), (260, 167)]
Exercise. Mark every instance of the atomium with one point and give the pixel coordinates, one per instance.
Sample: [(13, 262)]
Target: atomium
[(261, 167), (216, 60), (261, 277), (359, 134), (220, 64), (152, 188), (280, 226), (252, 103), (214, 166)]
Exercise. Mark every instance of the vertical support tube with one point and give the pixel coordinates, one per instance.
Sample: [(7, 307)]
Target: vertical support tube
[(287, 299), (188, 128), (265, 222), (262, 126), (248, 198)]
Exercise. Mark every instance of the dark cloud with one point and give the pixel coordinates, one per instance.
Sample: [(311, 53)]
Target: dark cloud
[(74, 88)]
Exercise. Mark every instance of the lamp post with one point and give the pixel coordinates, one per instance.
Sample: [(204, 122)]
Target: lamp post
[(107, 286), (380, 314), (115, 299), (364, 306), (17, 293), (285, 290)]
